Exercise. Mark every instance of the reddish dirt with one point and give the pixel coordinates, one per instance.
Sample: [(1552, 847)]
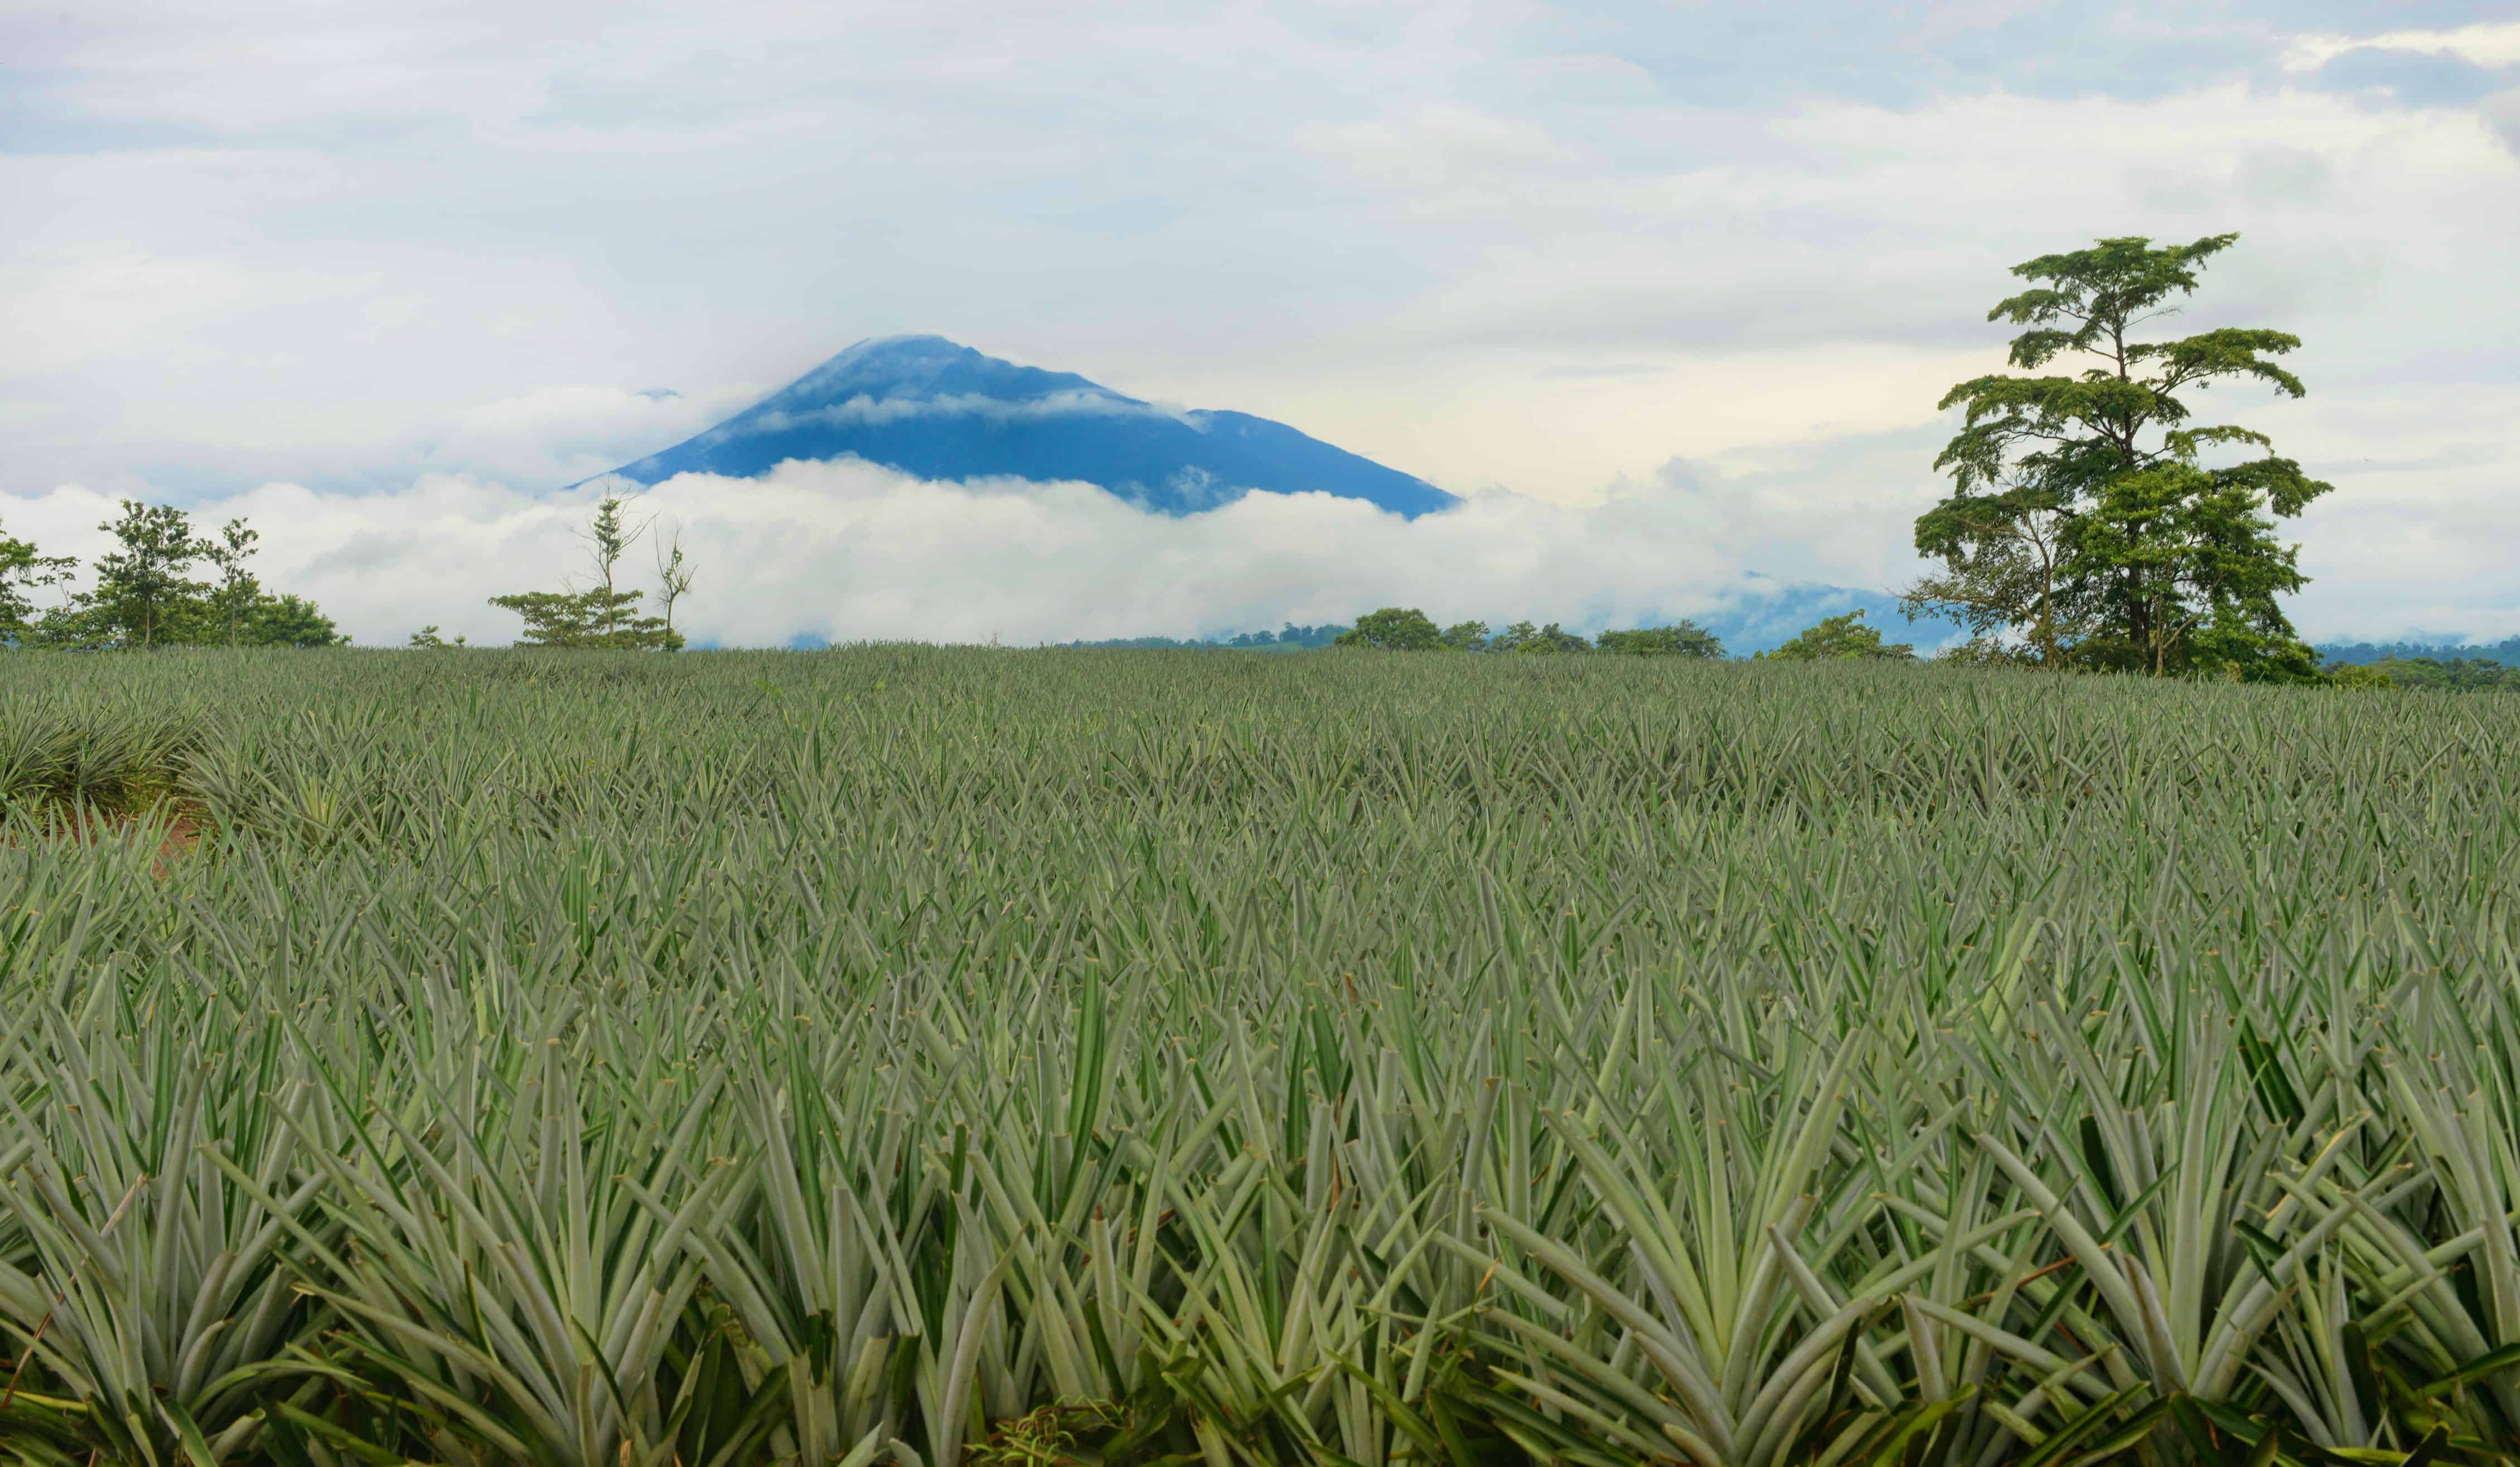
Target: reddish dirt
[(183, 833)]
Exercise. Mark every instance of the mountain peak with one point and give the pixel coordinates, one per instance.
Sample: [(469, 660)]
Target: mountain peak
[(895, 368), (934, 408)]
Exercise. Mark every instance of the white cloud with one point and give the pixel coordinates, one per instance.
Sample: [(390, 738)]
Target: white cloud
[(559, 435), (1828, 269), (848, 550), (2501, 113), (2487, 44), (863, 409)]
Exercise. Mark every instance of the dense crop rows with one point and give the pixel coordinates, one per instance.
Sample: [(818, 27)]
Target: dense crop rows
[(913, 1055)]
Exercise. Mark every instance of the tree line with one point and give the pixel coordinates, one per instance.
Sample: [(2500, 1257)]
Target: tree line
[(2453, 675), (1406, 629), (144, 592), (1290, 638), (2507, 651)]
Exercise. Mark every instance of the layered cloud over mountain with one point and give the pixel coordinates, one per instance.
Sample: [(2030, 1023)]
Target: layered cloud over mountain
[(847, 550), (928, 407)]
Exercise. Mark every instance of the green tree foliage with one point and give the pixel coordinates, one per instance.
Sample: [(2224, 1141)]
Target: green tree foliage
[(142, 595), (674, 582), (1682, 639), (427, 637), (24, 571), (1523, 637), (284, 621), (1840, 638), (558, 618), (2003, 556), (2083, 506), (238, 593), (2456, 674), (2505, 651), (607, 539), (602, 616), (1158, 643), (1325, 634), (1393, 628), (1407, 629), (1290, 638), (1991, 651)]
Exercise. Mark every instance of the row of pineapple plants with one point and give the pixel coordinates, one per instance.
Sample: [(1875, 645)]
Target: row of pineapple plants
[(907, 1058)]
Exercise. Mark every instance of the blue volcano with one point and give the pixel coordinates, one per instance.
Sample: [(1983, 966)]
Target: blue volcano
[(928, 407)]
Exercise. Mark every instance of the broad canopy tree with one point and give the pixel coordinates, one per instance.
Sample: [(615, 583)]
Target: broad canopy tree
[(1394, 629), (1839, 638), (2090, 514), (284, 621)]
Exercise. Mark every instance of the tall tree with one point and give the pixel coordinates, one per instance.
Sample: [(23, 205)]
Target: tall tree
[(674, 578), (141, 588), (24, 569), (607, 539), (237, 590), (2155, 557)]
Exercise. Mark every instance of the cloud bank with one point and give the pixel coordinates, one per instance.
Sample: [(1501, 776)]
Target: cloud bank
[(848, 551), (864, 408)]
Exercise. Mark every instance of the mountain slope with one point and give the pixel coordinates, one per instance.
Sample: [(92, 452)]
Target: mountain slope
[(926, 405)]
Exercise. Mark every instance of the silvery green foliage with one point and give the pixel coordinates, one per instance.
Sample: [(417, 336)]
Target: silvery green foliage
[(901, 1054)]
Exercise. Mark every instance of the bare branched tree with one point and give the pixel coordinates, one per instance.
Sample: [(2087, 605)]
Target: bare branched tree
[(673, 573)]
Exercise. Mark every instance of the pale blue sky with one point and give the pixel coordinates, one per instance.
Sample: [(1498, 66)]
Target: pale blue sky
[(1695, 270)]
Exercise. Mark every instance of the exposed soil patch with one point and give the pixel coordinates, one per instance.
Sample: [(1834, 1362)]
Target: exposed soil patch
[(183, 832)]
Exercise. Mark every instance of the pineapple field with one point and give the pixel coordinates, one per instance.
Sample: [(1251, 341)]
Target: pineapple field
[(937, 1056)]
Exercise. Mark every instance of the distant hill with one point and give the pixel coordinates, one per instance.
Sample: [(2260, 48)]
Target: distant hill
[(2364, 653), (929, 407)]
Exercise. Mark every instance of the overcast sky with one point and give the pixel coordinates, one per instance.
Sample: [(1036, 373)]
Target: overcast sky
[(1672, 289)]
